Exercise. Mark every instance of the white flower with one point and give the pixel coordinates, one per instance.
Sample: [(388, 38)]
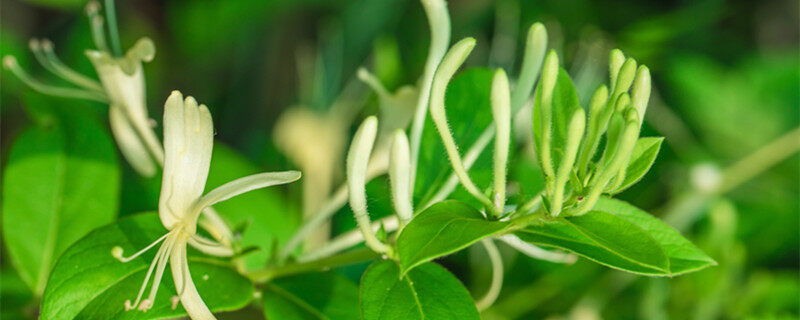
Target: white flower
[(123, 81), (121, 85), (188, 140)]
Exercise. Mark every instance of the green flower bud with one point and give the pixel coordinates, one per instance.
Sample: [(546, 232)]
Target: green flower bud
[(641, 92), (625, 77), (575, 130), (501, 112), (535, 47), (615, 60)]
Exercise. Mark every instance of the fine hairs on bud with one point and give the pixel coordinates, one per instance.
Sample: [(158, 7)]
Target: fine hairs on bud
[(501, 112), (399, 176), (357, 162), (549, 75), (451, 62), (439, 23)]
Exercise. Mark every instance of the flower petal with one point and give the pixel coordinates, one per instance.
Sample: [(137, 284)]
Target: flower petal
[(129, 143), (187, 292), (245, 184), (188, 140)]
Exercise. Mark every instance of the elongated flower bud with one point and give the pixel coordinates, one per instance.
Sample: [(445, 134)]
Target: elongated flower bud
[(439, 22), (625, 77), (589, 147), (619, 160), (451, 62), (575, 130), (615, 60), (399, 176), (501, 112), (357, 162), (549, 76), (535, 46), (623, 102), (640, 94)]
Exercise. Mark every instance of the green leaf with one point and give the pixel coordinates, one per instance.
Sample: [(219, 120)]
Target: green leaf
[(621, 236), (565, 102), (604, 238), (267, 214), (443, 228), (61, 182), (644, 154), (683, 256), (312, 296), (427, 292), (469, 114), (88, 283)]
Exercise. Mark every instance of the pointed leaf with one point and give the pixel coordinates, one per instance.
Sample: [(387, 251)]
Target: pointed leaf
[(621, 236), (88, 283), (443, 228), (683, 255), (604, 238), (427, 292)]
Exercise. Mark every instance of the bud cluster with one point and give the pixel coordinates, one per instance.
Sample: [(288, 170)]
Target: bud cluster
[(576, 171)]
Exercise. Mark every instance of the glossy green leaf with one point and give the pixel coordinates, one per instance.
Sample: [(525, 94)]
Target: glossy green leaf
[(267, 215), (565, 102), (443, 228), (469, 114), (683, 255), (60, 182), (88, 283), (427, 292), (644, 154), (604, 238), (621, 236), (312, 296)]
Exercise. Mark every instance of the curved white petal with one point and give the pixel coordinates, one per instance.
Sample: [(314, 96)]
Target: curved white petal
[(129, 143), (187, 292), (188, 140), (210, 247), (245, 184), (125, 89)]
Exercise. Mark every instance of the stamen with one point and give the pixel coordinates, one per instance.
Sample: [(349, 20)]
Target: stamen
[(159, 255), (10, 63), (148, 303), (57, 67), (117, 251), (96, 21)]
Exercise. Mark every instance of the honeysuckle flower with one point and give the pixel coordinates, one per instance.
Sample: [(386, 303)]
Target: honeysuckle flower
[(188, 141), (121, 85), (123, 81)]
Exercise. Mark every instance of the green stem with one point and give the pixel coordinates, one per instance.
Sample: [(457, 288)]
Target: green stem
[(342, 259), (759, 161), (113, 31)]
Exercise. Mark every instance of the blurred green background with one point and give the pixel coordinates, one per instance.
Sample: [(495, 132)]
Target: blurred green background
[(726, 83)]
